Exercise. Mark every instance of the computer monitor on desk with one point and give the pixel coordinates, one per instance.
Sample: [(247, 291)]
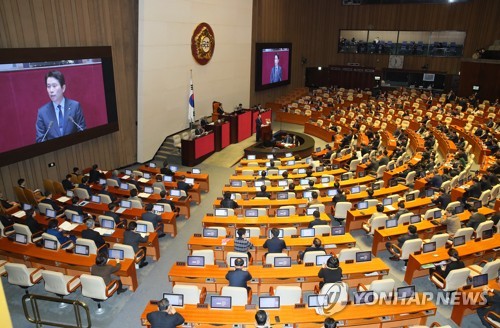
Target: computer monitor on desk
[(125, 204), (196, 261), (458, 241), (233, 259), (364, 297), (405, 292), (50, 244), (338, 230), (480, 280), (252, 213), (429, 247), (322, 259), (82, 250), (210, 233), (363, 256), (269, 302), (282, 212), (317, 300), (307, 232), (283, 262), (236, 183), (220, 302)]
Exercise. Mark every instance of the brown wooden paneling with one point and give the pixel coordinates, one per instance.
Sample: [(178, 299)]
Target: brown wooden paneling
[(67, 23), (313, 28)]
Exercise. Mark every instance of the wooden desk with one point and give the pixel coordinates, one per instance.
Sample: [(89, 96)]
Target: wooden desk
[(239, 169), (292, 176), (62, 261), (362, 316), (468, 253), (356, 218), (202, 178), (270, 204), (212, 277), (321, 132), (461, 309)]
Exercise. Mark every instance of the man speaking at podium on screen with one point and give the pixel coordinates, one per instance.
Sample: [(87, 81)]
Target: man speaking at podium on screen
[(61, 116)]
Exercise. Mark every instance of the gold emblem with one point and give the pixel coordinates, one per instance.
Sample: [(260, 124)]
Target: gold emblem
[(203, 43)]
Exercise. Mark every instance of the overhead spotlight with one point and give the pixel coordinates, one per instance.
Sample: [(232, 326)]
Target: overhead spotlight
[(319, 68)]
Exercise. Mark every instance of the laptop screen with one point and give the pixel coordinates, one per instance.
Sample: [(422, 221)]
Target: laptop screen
[(128, 172), (364, 160), (310, 211), (175, 193), (269, 302), (236, 183), (391, 223), (102, 181), (304, 182), (232, 259), (429, 247), (307, 194), (196, 171), (429, 193), (362, 205), (317, 300), (197, 261), (167, 178), (149, 190), (365, 297), (221, 212), (220, 302), (487, 234), (280, 172), (459, 209), (21, 238), (174, 299), (270, 156), (355, 190), (414, 219), (95, 199), (189, 181), (174, 168), (332, 192), (393, 183), (344, 177), (480, 280), (460, 240), (338, 231), (70, 193), (280, 234), (290, 163), (410, 197), (282, 183), (322, 259), (307, 232), (288, 155), (301, 171), (405, 292), (210, 233), (50, 244), (437, 214), (26, 207), (142, 228), (146, 175), (363, 256), (387, 201), (477, 204), (251, 213), (283, 262), (152, 165), (107, 223), (81, 249), (116, 253), (50, 213), (124, 185), (158, 208), (251, 157), (391, 167), (282, 195), (259, 183), (282, 212), (125, 204), (77, 218), (325, 180), (376, 186), (361, 174)]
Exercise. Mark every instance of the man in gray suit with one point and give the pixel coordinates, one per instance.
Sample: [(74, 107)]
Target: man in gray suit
[(61, 116), (154, 219), (276, 70)]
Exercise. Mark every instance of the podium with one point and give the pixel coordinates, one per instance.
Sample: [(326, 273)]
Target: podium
[(266, 133)]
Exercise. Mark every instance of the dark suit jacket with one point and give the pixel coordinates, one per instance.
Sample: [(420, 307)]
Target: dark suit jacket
[(33, 224), (228, 203), (94, 176), (93, 235), (167, 201), (238, 278), (475, 220), (47, 114), (474, 191), (403, 238), (263, 194), (275, 75), (115, 216), (275, 245), (76, 208), (133, 239), (161, 319), (317, 222), (153, 218), (166, 171), (442, 201), (56, 207), (68, 185), (184, 186), (105, 271)]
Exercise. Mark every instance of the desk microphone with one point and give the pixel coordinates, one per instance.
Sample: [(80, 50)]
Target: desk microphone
[(73, 120), (48, 129)]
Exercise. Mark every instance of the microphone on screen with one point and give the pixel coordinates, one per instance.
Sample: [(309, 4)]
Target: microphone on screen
[(46, 132)]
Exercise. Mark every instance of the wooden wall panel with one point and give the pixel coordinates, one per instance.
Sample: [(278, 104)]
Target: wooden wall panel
[(68, 23), (313, 28)]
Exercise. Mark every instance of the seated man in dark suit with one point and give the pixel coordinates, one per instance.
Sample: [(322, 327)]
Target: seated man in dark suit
[(62, 236), (317, 220), (132, 238), (85, 185), (67, 184), (474, 191), (475, 219), (49, 201), (164, 200), (154, 219), (94, 174), (166, 316), (74, 207), (227, 202), (32, 223), (239, 276), (412, 234), (182, 185), (274, 245), (105, 191), (316, 246), (263, 192), (111, 213), (6, 204), (385, 159), (89, 233), (165, 170)]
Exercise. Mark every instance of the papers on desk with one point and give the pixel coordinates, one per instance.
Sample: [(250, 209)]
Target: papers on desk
[(224, 241), (371, 274), (390, 208), (428, 266), (466, 186), (126, 177), (63, 199), (143, 180), (330, 246), (144, 195), (143, 234), (19, 214), (66, 226), (104, 232), (120, 210)]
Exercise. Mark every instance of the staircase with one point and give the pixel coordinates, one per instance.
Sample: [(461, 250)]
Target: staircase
[(169, 152)]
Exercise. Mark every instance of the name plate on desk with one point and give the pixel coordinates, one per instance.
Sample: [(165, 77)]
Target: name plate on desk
[(308, 264), (197, 234), (202, 306), (250, 307), (349, 261), (180, 263), (295, 236), (266, 265), (300, 306)]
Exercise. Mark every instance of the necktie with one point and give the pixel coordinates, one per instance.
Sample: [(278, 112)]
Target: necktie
[(61, 120)]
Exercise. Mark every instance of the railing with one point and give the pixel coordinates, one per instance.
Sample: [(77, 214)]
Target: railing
[(79, 309)]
